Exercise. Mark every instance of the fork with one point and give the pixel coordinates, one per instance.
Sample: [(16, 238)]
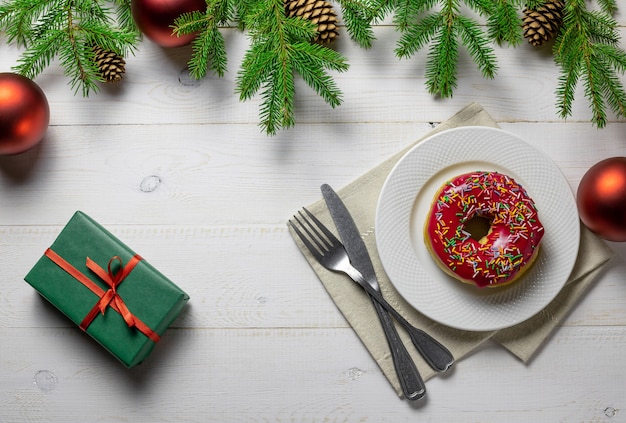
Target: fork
[(331, 254), (411, 381)]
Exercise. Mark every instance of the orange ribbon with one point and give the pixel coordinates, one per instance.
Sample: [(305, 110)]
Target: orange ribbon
[(110, 297)]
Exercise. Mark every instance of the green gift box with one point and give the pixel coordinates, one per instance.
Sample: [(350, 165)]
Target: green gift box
[(105, 288)]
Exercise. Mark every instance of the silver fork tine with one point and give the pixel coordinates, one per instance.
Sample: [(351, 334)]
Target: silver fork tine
[(305, 240), (316, 237), (324, 243), (329, 235)]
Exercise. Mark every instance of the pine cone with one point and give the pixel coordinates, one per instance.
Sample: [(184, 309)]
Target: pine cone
[(110, 64), (542, 24), (319, 12)]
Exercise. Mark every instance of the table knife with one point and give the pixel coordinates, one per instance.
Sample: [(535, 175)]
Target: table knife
[(412, 384), (434, 353)]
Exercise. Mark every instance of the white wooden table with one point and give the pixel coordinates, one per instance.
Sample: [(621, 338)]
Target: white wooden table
[(180, 171)]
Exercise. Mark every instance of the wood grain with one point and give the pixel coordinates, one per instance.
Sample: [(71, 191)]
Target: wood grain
[(300, 375), (180, 171)]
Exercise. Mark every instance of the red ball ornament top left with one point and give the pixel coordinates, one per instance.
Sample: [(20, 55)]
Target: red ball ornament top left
[(24, 113)]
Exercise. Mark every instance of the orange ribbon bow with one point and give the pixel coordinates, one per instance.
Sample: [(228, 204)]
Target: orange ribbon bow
[(113, 280), (110, 297)]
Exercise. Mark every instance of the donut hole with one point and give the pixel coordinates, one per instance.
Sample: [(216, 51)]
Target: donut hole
[(478, 227)]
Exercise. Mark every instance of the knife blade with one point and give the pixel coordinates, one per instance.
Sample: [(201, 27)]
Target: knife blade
[(434, 353), (349, 233), (411, 381)]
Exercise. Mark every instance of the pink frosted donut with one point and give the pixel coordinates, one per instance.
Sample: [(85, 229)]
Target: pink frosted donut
[(509, 240)]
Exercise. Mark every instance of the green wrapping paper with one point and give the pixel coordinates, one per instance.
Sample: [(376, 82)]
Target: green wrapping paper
[(149, 301)]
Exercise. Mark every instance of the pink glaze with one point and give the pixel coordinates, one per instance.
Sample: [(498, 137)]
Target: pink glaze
[(514, 236)]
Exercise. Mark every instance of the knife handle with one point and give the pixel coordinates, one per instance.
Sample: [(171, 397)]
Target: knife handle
[(438, 357), (411, 381), (435, 354)]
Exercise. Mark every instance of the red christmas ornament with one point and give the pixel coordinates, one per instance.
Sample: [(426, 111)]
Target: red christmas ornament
[(156, 17), (601, 199), (24, 113)]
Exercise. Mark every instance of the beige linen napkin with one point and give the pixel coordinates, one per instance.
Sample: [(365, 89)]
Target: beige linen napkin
[(523, 340)]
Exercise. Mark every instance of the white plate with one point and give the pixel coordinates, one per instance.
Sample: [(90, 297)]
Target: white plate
[(404, 203)]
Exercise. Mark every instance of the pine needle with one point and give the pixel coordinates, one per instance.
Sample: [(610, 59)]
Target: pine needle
[(503, 23), (587, 49), (66, 29), (357, 16), (279, 50), (444, 31)]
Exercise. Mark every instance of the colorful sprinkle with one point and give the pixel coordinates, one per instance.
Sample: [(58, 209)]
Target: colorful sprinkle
[(515, 230)]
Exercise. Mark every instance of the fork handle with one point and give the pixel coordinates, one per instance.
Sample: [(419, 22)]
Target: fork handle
[(435, 354), (411, 381)]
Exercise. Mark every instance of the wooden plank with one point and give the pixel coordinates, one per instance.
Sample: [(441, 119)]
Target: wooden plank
[(238, 277), (223, 175), (301, 375), (231, 274)]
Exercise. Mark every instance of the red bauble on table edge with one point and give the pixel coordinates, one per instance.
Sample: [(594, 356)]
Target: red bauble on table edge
[(601, 199), (156, 17), (24, 113)]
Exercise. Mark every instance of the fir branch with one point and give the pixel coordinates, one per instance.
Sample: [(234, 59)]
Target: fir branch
[(125, 18), (309, 60), (593, 92), (243, 9), (76, 60), (503, 23), (441, 75), (277, 108), (406, 13), (16, 18), (209, 54), (50, 20), (209, 49), (41, 52), (587, 48), (483, 7), (600, 28), (415, 37), (256, 69), (610, 62), (270, 39), (608, 6), (443, 30), (66, 29), (72, 52), (381, 8), (279, 49), (567, 82), (108, 38), (477, 46), (357, 17)]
